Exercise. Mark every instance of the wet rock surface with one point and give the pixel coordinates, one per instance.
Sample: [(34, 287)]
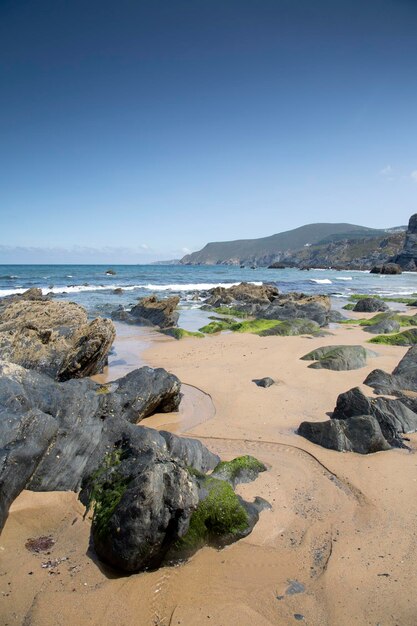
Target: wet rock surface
[(370, 305), (407, 258)]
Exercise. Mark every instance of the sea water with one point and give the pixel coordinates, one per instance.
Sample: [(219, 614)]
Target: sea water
[(93, 286)]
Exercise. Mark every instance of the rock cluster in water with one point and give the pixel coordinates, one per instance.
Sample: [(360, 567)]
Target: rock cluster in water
[(407, 258)]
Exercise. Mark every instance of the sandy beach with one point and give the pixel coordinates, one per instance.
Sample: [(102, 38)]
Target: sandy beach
[(338, 546)]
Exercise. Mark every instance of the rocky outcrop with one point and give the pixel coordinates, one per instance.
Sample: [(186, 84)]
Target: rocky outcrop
[(55, 338), (407, 258), (402, 379), (338, 358), (370, 305), (148, 490), (386, 323), (151, 311), (388, 268), (360, 434), (243, 293)]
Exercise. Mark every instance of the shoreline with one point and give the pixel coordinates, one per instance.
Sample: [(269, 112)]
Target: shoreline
[(341, 525)]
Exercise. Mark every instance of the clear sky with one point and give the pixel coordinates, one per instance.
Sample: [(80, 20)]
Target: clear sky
[(154, 126)]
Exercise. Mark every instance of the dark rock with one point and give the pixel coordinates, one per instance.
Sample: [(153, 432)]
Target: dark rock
[(403, 377), (110, 272), (370, 305), (118, 291), (295, 306), (360, 434), (151, 311), (277, 266), (337, 357), (407, 258), (264, 382), (336, 316), (388, 268), (387, 323), (242, 293), (55, 338), (243, 469)]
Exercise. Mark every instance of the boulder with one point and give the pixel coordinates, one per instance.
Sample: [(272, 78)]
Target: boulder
[(386, 323), (151, 311), (360, 434), (402, 379), (55, 338), (294, 306), (370, 305), (242, 293), (387, 268), (339, 358), (292, 327)]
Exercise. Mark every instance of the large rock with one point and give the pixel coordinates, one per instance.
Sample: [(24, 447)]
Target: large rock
[(407, 258), (385, 323), (292, 306), (387, 268), (360, 434), (55, 338), (338, 357), (403, 378), (151, 311), (242, 293), (370, 305)]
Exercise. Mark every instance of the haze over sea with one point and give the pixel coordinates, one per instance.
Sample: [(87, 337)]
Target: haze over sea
[(93, 286)]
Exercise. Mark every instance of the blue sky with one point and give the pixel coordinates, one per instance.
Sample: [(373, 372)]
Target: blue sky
[(144, 129)]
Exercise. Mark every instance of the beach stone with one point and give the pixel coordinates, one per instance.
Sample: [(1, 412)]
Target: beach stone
[(293, 327), (55, 338), (370, 305), (339, 358), (151, 311), (264, 382), (336, 316), (243, 293), (297, 306), (360, 434)]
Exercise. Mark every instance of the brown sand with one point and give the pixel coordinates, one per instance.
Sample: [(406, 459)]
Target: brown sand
[(341, 525)]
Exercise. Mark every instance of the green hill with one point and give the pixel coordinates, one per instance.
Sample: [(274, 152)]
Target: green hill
[(276, 247)]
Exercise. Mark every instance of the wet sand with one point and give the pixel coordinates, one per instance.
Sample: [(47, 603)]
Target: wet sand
[(338, 546)]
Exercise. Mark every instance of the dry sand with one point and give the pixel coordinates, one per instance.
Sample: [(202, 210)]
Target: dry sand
[(338, 547)]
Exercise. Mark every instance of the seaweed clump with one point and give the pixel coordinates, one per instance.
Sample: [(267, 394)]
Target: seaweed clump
[(406, 338), (243, 469)]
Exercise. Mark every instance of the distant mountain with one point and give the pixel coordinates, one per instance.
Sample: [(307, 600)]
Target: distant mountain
[(316, 245), (170, 262)]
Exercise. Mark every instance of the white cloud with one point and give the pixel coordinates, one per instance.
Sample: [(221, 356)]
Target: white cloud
[(144, 246), (414, 175), (386, 171)]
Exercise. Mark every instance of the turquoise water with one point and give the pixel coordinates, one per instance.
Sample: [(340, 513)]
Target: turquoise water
[(92, 287)]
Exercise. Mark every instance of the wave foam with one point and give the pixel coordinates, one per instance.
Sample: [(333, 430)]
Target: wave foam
[(321, 281)]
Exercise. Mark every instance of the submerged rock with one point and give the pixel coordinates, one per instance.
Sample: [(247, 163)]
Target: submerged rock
[(55, 338), (387, 268)]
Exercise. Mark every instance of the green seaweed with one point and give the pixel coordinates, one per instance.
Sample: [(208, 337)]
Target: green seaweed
[(217, 326), (103, 389), (406, 338), (231, 470), (360, 296), (349, 307), (108, 488), (254, 326), (180, 333), (225, 310), (219, 514)]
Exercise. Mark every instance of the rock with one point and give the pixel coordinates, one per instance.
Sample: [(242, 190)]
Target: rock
[(118, 291), (243, 469), (151, 311), (406, 338), (264, 382), (295, 306), (388, 268), (55, 338), (337, 358), (386, 323), (402, 379), (394, 417), (370, 305), (336, 316), (407, 258), (292, 327), (360, 434), (243, 293), (277, 266), (110, 272)]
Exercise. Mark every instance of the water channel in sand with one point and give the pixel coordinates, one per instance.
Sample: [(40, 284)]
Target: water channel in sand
[(127, 355)]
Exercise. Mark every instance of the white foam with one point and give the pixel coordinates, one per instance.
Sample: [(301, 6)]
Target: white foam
[(319, 281), (192, 286), (344, 278)]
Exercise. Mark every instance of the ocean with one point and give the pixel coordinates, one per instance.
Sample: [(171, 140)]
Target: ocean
[(93, 286)]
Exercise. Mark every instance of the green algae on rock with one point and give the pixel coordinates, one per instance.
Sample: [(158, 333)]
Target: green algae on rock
[(180, 333), (243, 469), (406, 338)]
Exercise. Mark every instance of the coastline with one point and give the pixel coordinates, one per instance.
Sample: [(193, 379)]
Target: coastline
[(341, 525)]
